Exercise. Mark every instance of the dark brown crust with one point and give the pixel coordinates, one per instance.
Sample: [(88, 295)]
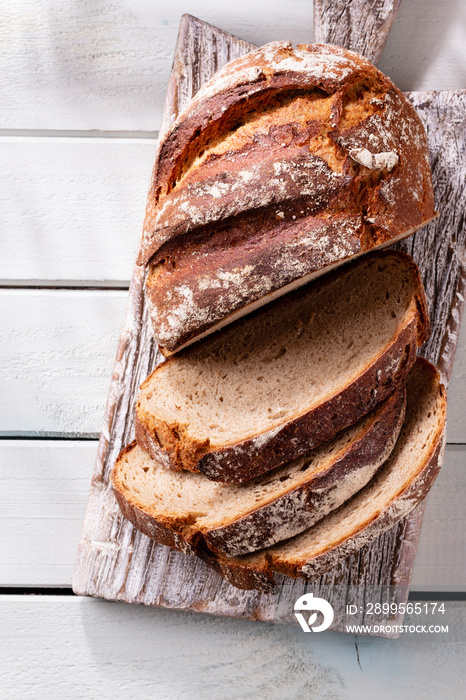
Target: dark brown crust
[(300, 507), (223, 107), (246, 460), (218, 105), (258, 572), (306, 175), (297, 509), (192, 228), (249, 578), (279, 254)]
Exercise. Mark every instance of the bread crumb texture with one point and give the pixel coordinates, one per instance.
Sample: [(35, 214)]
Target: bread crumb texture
[(237, 519), (304, 367)]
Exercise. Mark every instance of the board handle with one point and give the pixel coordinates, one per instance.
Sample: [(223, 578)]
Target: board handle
[(359, 25)]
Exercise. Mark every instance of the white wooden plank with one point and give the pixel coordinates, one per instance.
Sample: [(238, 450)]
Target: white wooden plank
[(72, 208), (56, 354), (72, 647), (456, 421), (441, 555), (45, 486), (426, 48), (106, 66)]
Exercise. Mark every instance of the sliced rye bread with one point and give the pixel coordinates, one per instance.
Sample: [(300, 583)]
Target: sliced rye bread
[(187, 511), (398, 487), (289, 161), (284, 380)]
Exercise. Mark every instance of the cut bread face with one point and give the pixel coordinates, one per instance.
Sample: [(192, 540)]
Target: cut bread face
[(398, 487), (236, 519), (291, 160), (289, 377)]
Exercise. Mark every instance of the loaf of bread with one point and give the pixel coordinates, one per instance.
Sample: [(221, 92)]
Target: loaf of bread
[(401, 484), (290, 376), (287, 162), (191, 513), (271, 446)]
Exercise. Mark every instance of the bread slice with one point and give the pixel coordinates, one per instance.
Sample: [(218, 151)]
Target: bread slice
[(398, 487), (286, 379), (186, 510), (288, 162)]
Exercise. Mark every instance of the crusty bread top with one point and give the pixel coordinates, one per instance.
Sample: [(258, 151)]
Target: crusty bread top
[(282, 124), (278, 364)]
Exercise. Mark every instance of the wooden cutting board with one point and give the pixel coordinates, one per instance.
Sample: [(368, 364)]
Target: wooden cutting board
[(117, 562)]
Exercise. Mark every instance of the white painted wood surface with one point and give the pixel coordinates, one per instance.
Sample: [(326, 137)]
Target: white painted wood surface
[(56, 356), (68, 70), (456, 419), (106, 66), (81, 648), (57, 349), (72, 208), (46, 485)]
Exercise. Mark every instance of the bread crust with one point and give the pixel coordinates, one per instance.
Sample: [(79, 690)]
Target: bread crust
[(266, 72), (303, 506), (286, 514), (246, 223), (256, 455), (207, 292), (257, 570), (258, 574)]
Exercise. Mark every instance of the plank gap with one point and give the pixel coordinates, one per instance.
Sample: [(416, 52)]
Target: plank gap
[(79, 133), (34, 590), (24, 435), (433, 595), (106, 285)]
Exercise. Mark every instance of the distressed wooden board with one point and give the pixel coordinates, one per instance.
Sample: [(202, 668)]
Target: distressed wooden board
[(72, 208), (94, 649), (440, 248), (45, 486), (362, 25), (116, 561)]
